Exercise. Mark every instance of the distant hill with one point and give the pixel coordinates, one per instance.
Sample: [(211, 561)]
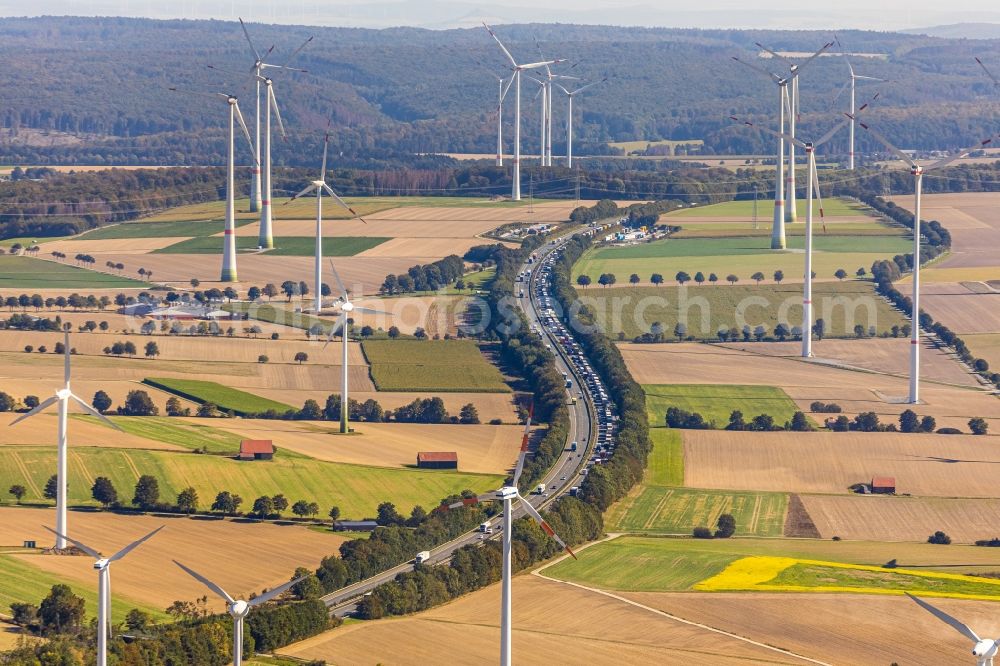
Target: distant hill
[(95, 90), (959, 31)]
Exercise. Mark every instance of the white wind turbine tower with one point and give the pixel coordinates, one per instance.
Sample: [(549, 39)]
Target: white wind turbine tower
[(918, 178), (259, 65), (229, 235), (103, 567), (239, 608), (500, 97), (320, 186), (63, 396), (791, 208), (543, 91), (778, 229), (569, 117), (853, 82), (515, 194), (346, 308), (812, 186), (984, 649), (508, 495)]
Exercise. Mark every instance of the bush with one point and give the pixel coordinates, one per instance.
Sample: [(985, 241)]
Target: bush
[(939, 537), (725, 527), (701, 533), (949, 431), (825, 408), (978, 426)]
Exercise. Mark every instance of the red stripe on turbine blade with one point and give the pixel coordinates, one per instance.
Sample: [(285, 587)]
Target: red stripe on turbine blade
[(228, 232), (914, 342), (779, 203), (549, 530), (570, 551), (266, 202)]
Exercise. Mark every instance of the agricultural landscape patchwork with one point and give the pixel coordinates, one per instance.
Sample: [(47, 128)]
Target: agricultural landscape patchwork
[(727, 453)]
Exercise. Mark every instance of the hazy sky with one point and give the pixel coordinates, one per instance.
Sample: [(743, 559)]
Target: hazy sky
[(872, 14)]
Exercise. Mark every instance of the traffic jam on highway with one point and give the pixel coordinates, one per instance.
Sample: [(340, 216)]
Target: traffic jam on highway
[(604, 409)]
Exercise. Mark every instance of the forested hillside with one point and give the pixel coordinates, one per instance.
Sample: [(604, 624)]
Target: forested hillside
[(95, 91)]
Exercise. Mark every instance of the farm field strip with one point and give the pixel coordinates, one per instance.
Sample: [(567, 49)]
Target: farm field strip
[(667, 510), (19, 272), (284, 246), (223, 397), (431, 365), (716, 402)]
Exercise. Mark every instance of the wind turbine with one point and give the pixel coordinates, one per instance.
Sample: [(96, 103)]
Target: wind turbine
[(543, 91), (778, 230), (500, 97), (989, 73), (63, 396), (917, 172), (238, 608), (569, 117), (508, 495), (791, 208), (984, 649), (346, 308), (256, 203), (515, 193), (812, 184), (103, 567), (319, 186)]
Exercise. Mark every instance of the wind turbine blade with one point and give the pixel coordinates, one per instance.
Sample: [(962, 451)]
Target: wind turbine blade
[(340, 283), (340, 201), (82, 546), (42, 405), (545, 526), (947, 619), (768, 130), (885, 142), (326, 147), (132, 546), (758, 68), (871, 78), (776, 55), (276, 592), (544, 63), (502, 47), (840, 92), (503, 95), (66, 351), (206, 582), (807, 61), (988, 72), (334, 330), (307, 190), (93, 412), (277, 114), (246, 34), (956, 155), (246, 132), (833, 130), (371, 311), (295, 53), (819, 196), (564, 90), (589, 85), (524, 446)]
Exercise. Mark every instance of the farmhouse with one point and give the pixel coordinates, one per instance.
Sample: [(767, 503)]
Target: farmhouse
[(884, 485), (256, 449), (437, 460)]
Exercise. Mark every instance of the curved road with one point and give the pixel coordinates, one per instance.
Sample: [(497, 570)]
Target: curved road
[(584, 417)]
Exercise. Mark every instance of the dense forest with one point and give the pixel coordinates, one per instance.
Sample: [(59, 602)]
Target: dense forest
[(393, 94)]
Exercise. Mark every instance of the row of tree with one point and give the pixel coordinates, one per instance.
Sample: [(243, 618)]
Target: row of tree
[(684, 419), (425, 277)]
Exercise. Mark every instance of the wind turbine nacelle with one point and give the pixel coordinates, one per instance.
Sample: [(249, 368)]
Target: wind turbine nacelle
[(347, 307), (239, 608), (985, 649), (507, 492), (64, 394), (101, 564), (317, 183)]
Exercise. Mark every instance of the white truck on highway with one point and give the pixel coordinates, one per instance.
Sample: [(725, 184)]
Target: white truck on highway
[(540, 488), (422, 557)]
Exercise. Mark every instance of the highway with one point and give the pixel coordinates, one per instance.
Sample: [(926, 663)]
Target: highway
[(584, 417)]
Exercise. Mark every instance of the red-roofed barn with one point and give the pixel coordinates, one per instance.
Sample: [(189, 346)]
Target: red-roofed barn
[(883, 485), (437, 460), (256, 449)]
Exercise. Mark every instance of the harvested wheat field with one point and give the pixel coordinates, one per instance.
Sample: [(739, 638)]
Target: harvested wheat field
[(437, 315), (543, 211), (972, 219), (134, 246), (883, 355), (552, 622), (422, 227), (806, 381), (830, 462), (884, 518), (846, 629), (489, 405), (963, 311), (204, 545), (482, 449), (424, 247)]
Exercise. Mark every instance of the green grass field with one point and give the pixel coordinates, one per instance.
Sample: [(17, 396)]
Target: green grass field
[(717, 402), (30, 273), (695, 227), (832, 207), (431, 365), (177, 229), (665, 466), (651, 564), (174, 431), (663, 510), (24, 582), (356, 489), (223, 397), (633, 310), (277, 313), (284, 246), (637, 146)]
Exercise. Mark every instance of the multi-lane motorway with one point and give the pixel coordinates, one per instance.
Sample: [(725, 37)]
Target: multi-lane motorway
[(590, 414)]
